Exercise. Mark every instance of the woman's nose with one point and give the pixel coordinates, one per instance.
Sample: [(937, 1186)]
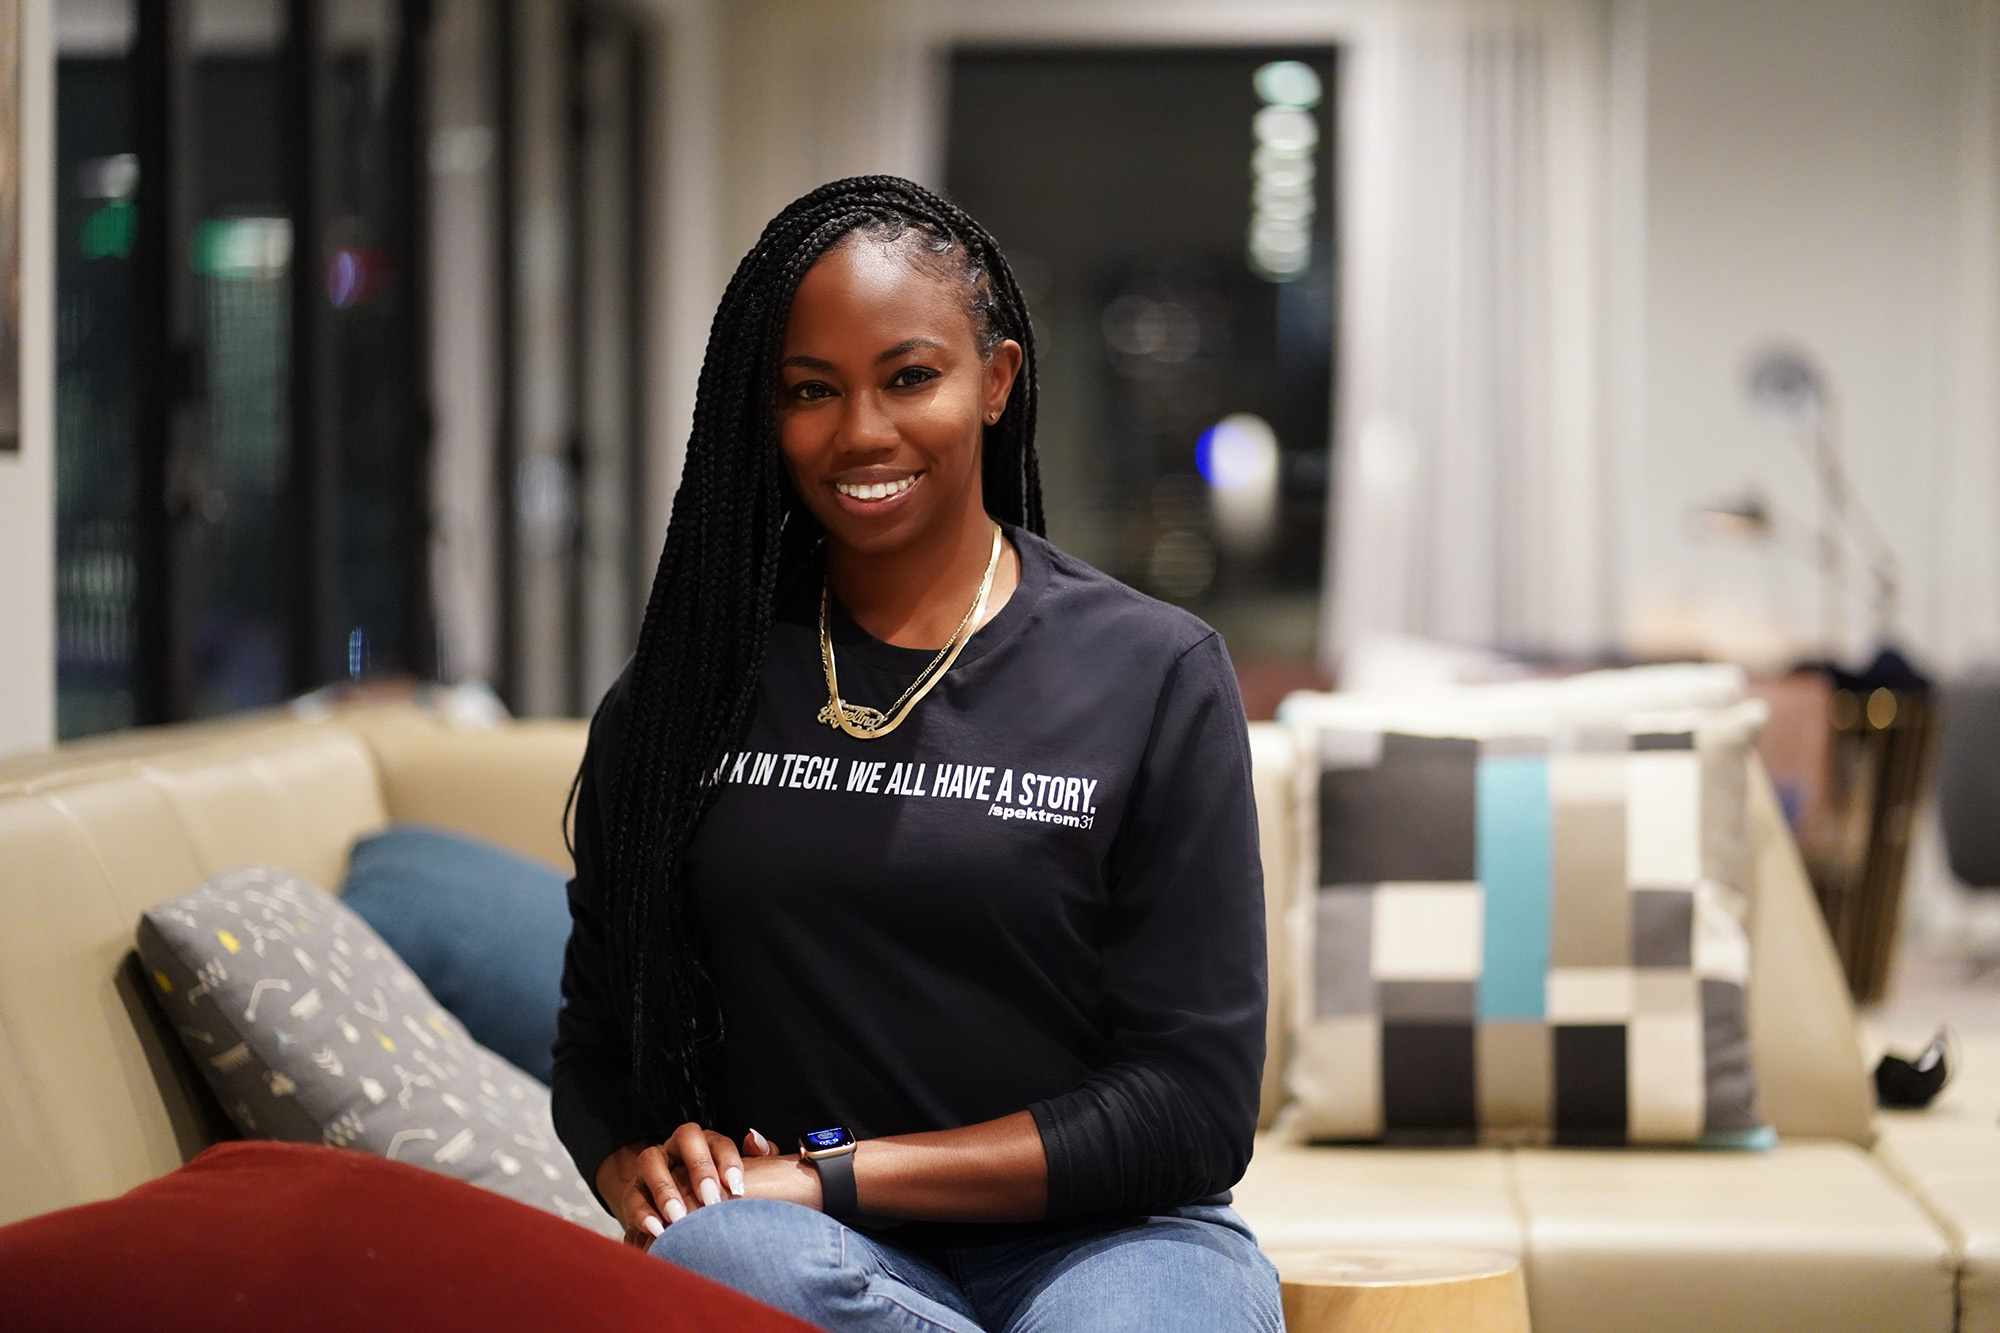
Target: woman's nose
[(865, 427)]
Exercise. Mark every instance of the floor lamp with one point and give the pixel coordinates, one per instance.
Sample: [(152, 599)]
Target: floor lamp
[(1882, 726), (1789, 390)]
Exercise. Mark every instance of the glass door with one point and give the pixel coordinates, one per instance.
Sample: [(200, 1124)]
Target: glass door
[(241, 423)]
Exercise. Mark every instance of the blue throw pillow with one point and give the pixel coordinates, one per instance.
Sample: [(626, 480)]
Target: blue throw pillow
[(482, 928)]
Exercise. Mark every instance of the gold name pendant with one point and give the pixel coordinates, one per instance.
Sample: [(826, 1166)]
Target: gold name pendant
[(867, 724)]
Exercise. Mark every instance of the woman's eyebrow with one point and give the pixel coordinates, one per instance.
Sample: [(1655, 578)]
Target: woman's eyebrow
[(890, 354), (905, 346)]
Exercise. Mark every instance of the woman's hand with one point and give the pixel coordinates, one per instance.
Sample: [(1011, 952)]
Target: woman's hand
[(649, 1187)]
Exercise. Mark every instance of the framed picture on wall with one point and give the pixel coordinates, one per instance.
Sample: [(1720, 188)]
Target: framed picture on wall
[(10, 226)]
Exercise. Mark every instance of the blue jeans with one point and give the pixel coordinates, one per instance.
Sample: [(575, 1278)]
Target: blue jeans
[(1195, 1269)]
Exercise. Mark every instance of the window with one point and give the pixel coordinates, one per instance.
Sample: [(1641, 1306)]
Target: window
[(1169, 216), (251, 198)]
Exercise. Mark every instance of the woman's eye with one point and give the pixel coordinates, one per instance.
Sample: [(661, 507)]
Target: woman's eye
[(811, 391), (911, 376)]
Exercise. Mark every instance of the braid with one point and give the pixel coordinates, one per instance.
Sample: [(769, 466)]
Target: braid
[(736, 531)]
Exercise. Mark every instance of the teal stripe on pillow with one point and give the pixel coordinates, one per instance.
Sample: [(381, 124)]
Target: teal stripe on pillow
[(1513, 851)]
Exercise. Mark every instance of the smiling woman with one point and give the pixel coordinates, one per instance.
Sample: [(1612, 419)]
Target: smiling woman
[(893, 364), (983, 938)]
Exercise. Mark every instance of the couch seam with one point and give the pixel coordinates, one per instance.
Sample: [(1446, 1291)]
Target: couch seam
[(1954, 1238)]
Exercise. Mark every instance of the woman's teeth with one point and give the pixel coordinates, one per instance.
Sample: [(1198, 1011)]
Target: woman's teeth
[(874, 490)]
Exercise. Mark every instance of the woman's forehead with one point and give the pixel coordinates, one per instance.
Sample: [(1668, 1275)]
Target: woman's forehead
[(867, 286)]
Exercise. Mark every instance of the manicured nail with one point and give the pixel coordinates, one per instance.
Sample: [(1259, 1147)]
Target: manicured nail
[(654, 1226), (760, 1143), (710, 1191), (676, 1210), (734, 1175)]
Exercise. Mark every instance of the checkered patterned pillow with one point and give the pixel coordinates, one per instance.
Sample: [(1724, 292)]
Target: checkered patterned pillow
[(1519, 931)]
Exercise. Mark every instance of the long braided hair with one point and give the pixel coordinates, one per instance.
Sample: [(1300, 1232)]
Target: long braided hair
[(737, 530)]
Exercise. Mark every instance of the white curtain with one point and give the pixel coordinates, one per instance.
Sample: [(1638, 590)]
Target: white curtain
[(1473, 444), (819, 89)]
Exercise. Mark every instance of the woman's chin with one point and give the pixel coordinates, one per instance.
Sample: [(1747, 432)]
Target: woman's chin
[(882, 527)]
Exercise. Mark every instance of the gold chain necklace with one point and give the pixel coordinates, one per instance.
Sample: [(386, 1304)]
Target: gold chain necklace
[(867, 724)]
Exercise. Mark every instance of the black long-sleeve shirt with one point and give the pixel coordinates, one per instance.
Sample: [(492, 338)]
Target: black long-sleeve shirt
[(1042, 891)]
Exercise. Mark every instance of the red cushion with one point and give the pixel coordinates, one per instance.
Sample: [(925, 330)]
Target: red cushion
[(288, 1236)]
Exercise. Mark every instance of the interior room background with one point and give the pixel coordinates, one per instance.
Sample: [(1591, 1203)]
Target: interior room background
[(1555, 235)]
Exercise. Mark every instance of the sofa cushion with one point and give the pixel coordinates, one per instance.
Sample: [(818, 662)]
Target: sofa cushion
[(483, 928), (507, 785), (1298, 1196), (299, 806), (1521, 926), (1273, 751), (91, 835), (310, 1029), (1809, 1238), (268, 1235), (1949, 1157), (95, 832)]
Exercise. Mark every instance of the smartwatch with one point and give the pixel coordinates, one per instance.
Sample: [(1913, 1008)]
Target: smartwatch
[(831, 1152)]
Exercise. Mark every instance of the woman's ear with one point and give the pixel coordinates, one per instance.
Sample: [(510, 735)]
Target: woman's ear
[(1001, 369)]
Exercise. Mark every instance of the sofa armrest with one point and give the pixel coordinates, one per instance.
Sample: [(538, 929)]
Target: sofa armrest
[(1811, 1079), (1273, 757), (507, 785)]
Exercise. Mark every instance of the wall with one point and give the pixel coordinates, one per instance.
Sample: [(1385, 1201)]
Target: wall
[(27, 480), (1817, 172)]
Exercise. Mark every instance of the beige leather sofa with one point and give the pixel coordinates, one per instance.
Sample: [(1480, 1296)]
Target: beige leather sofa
[(1823, 1234)]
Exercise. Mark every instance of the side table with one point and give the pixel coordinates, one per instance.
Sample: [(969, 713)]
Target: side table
[(1405, 1289)]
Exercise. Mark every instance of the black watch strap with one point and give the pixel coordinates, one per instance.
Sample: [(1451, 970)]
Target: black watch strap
[(836, 1185)]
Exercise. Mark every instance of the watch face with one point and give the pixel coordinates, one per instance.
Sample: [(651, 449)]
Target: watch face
[(822, 1140)]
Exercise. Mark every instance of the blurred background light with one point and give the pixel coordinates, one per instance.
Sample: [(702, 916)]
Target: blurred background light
[(1285, 129), (1281, 170), (353, 275), (108, 233), (1182, 564), (113, 177), (1287, 83), (242, 247), (344, 277), (1164, 331), (1238, 457)]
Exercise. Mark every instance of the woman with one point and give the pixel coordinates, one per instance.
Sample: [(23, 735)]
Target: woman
[(912, 855)]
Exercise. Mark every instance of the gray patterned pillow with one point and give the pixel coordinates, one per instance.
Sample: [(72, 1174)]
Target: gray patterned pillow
[(312, 1030)]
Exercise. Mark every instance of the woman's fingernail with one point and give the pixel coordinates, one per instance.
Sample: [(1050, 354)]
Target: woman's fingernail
[(735, 1177), (676, 1210), (759, 1142), (710, 1191), (654, 1226)]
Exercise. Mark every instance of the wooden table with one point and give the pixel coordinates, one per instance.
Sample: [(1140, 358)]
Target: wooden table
[(1404, 1289)]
